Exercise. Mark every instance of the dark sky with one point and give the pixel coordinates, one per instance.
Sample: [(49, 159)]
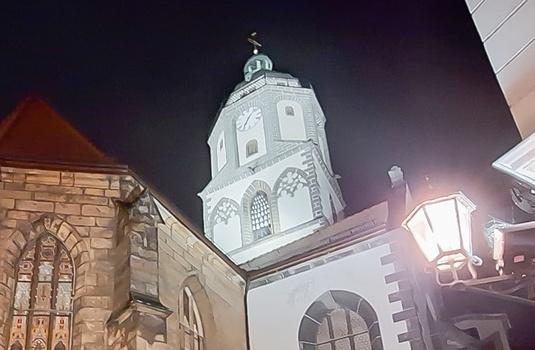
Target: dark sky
[(404, 82)]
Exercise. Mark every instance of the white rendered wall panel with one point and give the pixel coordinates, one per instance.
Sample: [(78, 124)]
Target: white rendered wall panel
[(276, 309), (507, 28), (491, 13), (524, 113), (473, 4), (518, 78), (512, 36), (295, 209)]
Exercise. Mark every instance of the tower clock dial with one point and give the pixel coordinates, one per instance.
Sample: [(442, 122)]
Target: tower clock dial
[(248, 118)]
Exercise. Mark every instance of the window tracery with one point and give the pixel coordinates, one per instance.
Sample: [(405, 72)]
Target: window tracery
[(193, 334), (260, 216), (42, 305), (290, 182), (225, 211)]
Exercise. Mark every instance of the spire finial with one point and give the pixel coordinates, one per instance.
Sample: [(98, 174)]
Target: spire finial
[(252, 40)]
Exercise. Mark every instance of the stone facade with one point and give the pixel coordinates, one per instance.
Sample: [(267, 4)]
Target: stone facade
[(131, 257)]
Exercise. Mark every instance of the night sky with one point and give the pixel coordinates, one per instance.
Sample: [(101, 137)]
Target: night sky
[(401, 82)]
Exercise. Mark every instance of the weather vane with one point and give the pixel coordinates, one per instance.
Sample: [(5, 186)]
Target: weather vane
[(252, 40)]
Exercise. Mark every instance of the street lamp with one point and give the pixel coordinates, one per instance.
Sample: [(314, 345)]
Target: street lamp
[(442, 229)]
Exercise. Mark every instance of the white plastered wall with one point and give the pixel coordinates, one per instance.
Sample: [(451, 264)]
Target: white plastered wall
[(292, 127), (236, 192), (507, 31), (275, 310)]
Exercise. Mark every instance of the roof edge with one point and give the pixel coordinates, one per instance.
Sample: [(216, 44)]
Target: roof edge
[(188, 223), (64, 166)]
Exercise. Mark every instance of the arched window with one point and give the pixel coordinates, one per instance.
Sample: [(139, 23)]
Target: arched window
[(260, 216), (340, 320), (221, 152), (193, 335), (251, 148), (289, 111), (291, 120), (42, 306)]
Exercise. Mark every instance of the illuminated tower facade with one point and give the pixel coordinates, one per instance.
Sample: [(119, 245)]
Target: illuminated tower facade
[(272, 180)]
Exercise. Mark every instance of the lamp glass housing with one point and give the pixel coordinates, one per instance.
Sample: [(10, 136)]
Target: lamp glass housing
[(442, 230)]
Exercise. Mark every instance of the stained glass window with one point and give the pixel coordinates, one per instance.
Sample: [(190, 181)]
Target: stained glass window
[(260, 216), (193, 338), (42, 305)]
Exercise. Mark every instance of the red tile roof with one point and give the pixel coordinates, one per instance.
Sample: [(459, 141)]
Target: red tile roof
[(35, 132)]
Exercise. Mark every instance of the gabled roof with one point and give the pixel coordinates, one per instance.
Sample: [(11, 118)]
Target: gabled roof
[(35, 132)]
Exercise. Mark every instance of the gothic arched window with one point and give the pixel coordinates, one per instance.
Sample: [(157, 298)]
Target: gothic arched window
[(251, 148), (193, 335), (340, 320), (42, 306), (260, 216)]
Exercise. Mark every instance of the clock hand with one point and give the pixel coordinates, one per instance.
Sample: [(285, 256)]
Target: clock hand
[(247, 120)]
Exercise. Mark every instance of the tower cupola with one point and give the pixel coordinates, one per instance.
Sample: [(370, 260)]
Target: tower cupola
[(255, 64)]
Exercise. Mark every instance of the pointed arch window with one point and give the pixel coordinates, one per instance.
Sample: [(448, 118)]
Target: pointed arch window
[(193, 334), (42, 305), (260, 216), (251, 148)]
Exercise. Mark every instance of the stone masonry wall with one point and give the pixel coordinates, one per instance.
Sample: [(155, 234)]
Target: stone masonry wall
[(218, 290), (80, 210), (132, 257)]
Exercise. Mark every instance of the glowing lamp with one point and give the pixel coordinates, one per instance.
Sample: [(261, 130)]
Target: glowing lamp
[(442, 229)]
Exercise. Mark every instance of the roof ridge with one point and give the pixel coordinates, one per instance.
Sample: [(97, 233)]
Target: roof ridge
[(11, 117), (71, 127), (40, 116)]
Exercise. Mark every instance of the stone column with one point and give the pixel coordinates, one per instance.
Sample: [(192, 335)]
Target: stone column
[(139, 319)]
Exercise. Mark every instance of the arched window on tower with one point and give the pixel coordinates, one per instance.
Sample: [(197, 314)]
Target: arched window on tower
[(340, 320), (260, 216), (291, 120), (42, 306), (289, 110), (192, 330), (251, 148)]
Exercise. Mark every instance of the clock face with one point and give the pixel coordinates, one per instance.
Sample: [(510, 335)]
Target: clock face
[(248, 118)]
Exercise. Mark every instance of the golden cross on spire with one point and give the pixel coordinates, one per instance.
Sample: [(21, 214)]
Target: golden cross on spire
[(252, 40)]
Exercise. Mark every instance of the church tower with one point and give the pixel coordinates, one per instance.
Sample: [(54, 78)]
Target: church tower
[(272, 181)]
